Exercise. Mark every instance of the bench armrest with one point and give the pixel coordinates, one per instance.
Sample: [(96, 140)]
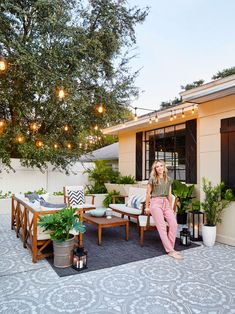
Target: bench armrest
[(114, 197)]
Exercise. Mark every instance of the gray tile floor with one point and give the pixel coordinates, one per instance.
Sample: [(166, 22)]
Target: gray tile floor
[(204, 282)]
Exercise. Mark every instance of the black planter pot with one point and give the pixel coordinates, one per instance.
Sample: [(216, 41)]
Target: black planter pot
[(181, 218)]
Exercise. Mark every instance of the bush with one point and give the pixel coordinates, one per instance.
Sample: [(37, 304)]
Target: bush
[(125, 180), (184, 195), (109, 200), (5, 195)]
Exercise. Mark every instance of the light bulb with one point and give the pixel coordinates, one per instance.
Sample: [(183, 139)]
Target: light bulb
[(66, 128), (69, 146), (55, 146), (3, 65), (96, 127), (100, 108), (61, 93)]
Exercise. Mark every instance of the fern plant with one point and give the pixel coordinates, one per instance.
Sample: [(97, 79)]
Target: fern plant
[(61, 223)]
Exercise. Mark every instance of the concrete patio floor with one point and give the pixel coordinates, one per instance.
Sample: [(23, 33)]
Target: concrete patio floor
[(204, 282)]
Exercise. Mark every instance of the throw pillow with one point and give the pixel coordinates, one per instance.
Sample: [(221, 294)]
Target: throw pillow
[(135, 201), (76, 197)]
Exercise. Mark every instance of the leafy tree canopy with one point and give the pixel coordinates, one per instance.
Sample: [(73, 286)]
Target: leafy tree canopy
[(80, 46), (224, 73), (192, 85)]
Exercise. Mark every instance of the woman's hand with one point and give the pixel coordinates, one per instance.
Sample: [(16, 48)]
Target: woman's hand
[(147, 210)]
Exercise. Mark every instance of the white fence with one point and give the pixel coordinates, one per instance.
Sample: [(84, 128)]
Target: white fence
[(31, 179)]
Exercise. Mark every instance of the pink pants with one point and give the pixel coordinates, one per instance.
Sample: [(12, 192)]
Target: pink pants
[(162, 212)]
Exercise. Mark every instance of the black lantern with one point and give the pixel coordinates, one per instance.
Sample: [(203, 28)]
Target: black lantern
[(79, 259), (185, 237), (195, 221)]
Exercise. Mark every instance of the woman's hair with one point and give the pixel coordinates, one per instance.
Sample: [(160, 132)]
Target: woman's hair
[(154, 175)]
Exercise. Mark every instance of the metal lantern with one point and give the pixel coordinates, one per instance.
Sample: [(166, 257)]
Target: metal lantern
[(79, 259), (195, 221), (185, 237)]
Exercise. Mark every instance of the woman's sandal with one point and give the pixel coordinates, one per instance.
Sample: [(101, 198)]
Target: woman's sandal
[(176, 255)]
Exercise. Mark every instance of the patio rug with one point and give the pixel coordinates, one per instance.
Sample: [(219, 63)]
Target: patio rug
[(115, 250)]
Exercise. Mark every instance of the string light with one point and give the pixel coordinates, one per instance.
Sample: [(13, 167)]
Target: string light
[(175, 115), (34, 126), (80, 145), (182, 113), (69, 146), (99, 138), (19, 139), (38, 143), (150, 120), (66, 128), (156, 117), (2, 123), (3, 65), (135, 117), (100, 108), (96, 127), (55, 146), (61, 93), (193, 110), (171, 118)]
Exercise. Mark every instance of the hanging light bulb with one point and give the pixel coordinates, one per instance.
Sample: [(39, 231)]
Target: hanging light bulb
[(61, 93), (182, 113), (55, 146), (66, 128), (193, 110), (150, 120), (96, 127), (156, 118), (80, 145), (2, 123), (34, 126), (99, 138), (3, 65), (174, 115), (19, 139), (135, 117), (171, 118), (38, 143), (100, 108), (69, 146)]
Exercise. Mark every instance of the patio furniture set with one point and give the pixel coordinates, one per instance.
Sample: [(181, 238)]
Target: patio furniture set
[(25, 216)]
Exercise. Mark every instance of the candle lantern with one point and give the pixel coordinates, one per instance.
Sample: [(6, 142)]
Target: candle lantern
[(79, 259), (185, 237), (196, 220)]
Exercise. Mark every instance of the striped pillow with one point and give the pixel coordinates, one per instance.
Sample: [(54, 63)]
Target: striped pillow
[(135, 201), (76, 197)]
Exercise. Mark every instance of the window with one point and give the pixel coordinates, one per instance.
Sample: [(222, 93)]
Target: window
[(167, 144), (228, 152)]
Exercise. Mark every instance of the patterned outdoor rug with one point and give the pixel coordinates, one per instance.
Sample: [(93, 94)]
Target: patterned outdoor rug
[(115, 250)]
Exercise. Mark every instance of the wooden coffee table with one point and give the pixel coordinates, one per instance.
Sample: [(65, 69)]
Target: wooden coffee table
[(103, 222)]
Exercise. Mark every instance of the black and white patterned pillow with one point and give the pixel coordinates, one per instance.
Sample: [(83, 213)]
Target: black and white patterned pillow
[(76, 197)]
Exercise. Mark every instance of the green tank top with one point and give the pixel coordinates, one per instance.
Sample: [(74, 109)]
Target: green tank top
[(161, 189)]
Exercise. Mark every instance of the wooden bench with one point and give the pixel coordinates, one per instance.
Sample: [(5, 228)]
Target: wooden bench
[(24, 220)]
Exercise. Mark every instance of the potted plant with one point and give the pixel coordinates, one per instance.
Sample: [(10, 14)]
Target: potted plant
[(121, 184), (217, 198), (109, 198), (97, 176), (183, 193), (60, 225)]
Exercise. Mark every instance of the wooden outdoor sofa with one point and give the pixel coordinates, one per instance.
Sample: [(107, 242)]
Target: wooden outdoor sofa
[(24, 220)]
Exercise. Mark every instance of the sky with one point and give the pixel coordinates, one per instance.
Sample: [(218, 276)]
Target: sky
[(181, 41)]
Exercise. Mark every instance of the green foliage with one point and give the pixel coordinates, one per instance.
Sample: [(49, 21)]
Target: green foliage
[(196, 206), (99, 175), (224, 73), (58, 193), (184, 194), (192, 85), (83, 46), (39, 191), (125, 180), (170, 103), (214, 203), (5, 195), (60, 223), (109, 200)]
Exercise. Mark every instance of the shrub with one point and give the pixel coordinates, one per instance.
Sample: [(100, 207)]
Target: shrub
[(109, 200)]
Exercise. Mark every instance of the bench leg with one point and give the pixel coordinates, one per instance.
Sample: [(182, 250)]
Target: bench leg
[(141, 236), (127, 231)]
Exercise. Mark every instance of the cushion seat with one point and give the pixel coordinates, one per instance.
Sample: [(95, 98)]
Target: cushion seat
[(143, 221), (125, 209)]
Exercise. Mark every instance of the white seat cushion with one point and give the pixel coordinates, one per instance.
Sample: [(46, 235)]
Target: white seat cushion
[(143, 221), (125, 209)]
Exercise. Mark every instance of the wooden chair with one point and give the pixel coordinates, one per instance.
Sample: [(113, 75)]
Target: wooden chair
[(146, 221), (74, 196)]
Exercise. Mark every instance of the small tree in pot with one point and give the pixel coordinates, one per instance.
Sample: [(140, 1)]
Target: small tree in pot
[(61, 224), (217, 198)]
